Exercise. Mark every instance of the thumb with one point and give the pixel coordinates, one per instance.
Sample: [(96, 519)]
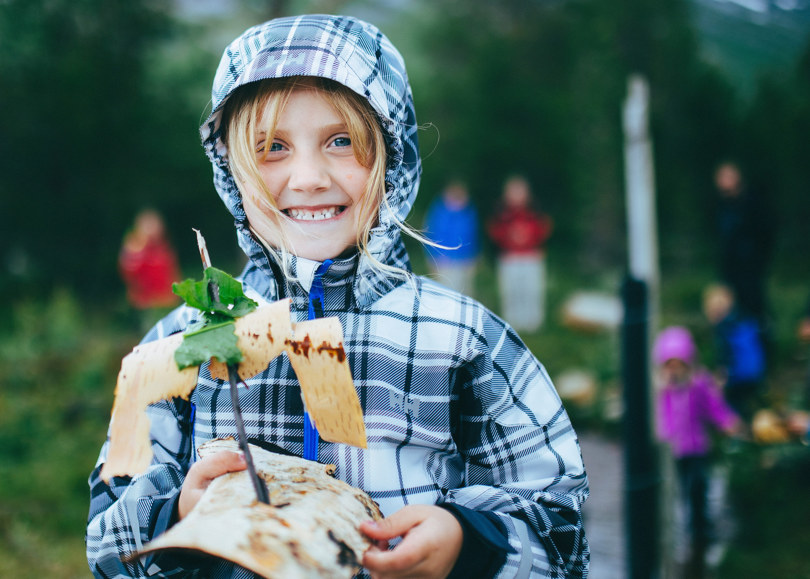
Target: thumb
[(221, 463), (206, 470), (396, 525)]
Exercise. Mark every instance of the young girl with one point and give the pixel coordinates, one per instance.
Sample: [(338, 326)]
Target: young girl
[(471, 456), (689, 404), (520, 233)]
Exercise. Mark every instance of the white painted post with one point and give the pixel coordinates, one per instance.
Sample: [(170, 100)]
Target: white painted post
[(640, 187)]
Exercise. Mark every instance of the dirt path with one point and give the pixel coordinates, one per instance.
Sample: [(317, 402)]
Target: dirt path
[(604, 515)]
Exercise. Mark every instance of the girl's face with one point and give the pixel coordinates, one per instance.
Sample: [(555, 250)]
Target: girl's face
[(676, 371), (311, 171)]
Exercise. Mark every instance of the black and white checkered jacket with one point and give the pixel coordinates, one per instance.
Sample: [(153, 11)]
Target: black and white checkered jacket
[(456, 408)]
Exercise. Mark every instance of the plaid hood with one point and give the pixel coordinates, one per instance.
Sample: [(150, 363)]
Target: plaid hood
[(357, 55)]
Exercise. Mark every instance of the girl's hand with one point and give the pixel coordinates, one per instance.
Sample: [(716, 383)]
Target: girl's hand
[(202, 473), (431, 543)]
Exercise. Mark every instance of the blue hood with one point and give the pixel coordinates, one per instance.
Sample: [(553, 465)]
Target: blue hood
[(353, 53)]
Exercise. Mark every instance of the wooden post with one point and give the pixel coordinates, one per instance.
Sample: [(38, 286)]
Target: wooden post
[(643, 529)]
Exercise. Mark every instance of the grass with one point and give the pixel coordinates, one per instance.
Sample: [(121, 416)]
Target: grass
[(57, 366), (59, 361), (769, 494)]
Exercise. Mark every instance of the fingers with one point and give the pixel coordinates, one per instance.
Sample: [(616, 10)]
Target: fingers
[(216, 465), (404, 558), (202, 473), (394, 526), (431, 542)]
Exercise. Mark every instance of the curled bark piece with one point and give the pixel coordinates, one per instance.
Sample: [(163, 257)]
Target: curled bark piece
[(148, 374), (261, 336), (310, 529), (319, 360)]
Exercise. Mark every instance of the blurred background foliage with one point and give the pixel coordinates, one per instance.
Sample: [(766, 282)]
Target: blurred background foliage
[(102, 100)]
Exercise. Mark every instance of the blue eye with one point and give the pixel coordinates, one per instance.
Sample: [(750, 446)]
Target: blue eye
[(342, 142), (274, 148)]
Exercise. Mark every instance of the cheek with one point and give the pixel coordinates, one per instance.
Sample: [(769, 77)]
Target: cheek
[(272, 182), (260, 211)]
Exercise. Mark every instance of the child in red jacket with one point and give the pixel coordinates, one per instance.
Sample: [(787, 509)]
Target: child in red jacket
[(148, 263), (520, 233)]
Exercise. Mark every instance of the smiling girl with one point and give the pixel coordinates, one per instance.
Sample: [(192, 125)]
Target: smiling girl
[(470, 456)]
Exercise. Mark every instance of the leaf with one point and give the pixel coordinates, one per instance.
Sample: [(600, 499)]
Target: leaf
[(213, 335), (232, 303), (217, 341), (230, 293), (195, 293)]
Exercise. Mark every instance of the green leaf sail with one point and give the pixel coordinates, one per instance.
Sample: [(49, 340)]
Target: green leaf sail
[(232, 303), (217, 341), (213, 336)]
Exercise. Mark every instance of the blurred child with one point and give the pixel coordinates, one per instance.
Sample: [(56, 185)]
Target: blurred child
[(746, 228), (471, 456), (148, 263), (741, 358), (520, 233), (452, 223), (689, 404)]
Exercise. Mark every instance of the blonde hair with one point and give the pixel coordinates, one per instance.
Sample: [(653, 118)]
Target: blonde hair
[(262, 103)]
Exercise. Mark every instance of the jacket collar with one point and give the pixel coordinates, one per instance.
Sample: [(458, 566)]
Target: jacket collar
[(366, 283)]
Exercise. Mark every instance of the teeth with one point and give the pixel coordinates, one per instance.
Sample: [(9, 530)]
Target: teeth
[(320, 214)]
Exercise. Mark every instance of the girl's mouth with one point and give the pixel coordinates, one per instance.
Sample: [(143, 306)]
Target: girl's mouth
[(320, 214)]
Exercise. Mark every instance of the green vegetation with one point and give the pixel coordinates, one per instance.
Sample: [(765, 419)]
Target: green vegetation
[(769, 493), (59, 362)]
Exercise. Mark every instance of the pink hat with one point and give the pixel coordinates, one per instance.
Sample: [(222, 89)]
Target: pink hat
[(674, 342)]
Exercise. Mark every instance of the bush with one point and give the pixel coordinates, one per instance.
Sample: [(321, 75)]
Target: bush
[(57, 369)]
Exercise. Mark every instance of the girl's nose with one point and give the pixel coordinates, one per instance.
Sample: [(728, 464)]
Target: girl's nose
[(308, 175)]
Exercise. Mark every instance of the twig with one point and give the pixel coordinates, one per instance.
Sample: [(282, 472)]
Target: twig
[(259, 485)]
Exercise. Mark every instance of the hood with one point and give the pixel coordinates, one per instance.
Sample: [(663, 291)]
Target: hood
[(351, 52), (674, 342)]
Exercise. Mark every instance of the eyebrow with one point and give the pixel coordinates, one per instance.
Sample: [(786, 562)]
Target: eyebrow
[(340, 127), (336, 128)]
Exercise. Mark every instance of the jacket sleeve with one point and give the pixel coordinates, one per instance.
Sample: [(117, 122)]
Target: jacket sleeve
[(715, 408), (127, 513), (523, 460), (663, 421)]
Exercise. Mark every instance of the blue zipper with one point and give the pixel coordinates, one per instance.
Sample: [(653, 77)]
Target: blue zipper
[(315, 311)]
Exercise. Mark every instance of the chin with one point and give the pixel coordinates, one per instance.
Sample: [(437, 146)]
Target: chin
[(320, 253), (320, 248)]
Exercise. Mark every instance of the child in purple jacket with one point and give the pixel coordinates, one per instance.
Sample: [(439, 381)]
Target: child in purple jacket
[(689, 405)]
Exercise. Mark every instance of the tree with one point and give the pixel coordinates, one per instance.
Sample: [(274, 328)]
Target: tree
[(90, 136), (537, 87)]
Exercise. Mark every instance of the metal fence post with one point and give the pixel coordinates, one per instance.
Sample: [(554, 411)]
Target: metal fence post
[(642, 480)]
